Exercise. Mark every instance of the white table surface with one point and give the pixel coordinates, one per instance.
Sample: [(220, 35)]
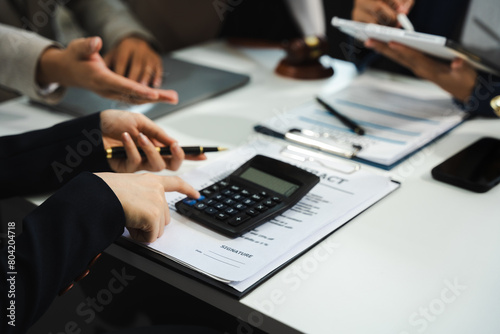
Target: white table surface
[(426, 259)]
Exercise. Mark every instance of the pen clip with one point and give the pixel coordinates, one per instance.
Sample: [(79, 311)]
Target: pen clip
[(335, 164), (310, 139)]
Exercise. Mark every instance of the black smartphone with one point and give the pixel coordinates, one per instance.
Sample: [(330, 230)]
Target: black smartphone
[(476, 167)]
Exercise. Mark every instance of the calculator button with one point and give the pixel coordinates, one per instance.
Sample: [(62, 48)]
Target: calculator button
[(219, 198), (256, 197), (189, 201), (209, 202), (252, 212), (235, 188), (263, 194), (238, 197), (215, 188), (206, 192), (229, 201), (276, 199), (223, 184), (240, 206), (248, 202), (245, 192), (210, 211), (269, 203), (237, 220), (231, 211), (220, 206), (227, 192), (261, 207), (200, 206), (221, 216)]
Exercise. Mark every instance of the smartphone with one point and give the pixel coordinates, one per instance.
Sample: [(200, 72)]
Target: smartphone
[(476, 167)]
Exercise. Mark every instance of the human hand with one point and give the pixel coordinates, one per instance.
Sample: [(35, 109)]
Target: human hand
[(123, 128), (134, 58), (457, 78), (81, 65), (382, 12), (142, 197)]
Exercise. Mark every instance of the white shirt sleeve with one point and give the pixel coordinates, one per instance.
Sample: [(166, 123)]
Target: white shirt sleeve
[(310, 16)]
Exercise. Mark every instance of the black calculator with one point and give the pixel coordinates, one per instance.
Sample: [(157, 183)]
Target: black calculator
[(259, 190)]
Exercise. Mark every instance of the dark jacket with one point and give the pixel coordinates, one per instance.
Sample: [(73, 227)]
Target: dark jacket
[(61, 236)]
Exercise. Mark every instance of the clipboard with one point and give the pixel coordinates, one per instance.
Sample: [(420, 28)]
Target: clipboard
[(400, 116), (433, 45)]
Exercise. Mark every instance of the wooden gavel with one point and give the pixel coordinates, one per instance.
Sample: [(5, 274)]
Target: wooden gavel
[(302, 59)]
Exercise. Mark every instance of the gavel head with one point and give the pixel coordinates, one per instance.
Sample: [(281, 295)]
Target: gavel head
[(304, 50), (302, 59)]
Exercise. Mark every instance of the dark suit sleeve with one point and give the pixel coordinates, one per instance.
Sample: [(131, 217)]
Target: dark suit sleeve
[(58, 241), (44, 160)]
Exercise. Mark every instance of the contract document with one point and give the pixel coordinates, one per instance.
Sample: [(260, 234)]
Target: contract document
[(241, 262), (399, 116)]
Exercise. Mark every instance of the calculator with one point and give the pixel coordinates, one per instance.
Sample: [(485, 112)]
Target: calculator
[(259, 190)]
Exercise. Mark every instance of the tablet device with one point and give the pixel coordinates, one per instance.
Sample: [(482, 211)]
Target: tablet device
[(433, 45), (476, 167), (193, 83)]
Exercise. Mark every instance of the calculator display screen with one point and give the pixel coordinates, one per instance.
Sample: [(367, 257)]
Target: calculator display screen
[(269, 181)]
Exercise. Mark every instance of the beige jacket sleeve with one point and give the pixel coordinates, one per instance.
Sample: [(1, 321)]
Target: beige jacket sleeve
[(19, 54), (110, 19)]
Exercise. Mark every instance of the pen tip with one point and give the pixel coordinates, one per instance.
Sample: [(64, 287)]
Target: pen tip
[(359, 131), (222, 148)]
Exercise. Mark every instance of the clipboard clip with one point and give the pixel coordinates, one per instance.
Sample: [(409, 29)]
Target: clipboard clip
[(311, 139), (335, 164)]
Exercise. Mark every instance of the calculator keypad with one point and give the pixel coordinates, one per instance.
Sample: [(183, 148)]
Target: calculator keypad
[(232, 204)]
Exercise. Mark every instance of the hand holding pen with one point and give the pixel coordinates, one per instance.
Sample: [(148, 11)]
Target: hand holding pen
[(385, 12), (133, 131)]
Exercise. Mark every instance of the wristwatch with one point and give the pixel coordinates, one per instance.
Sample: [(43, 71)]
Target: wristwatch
[(495, 104)]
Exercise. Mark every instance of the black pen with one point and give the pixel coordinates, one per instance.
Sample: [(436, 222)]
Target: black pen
[(346, 121), (119, 151)]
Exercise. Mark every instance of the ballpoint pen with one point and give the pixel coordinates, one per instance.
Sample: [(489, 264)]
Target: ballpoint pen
[(119, 151), (345, 120)]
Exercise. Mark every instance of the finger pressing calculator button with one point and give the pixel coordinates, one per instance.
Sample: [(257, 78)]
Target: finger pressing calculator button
[(237, 220), (189, 201), (210, 211)]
